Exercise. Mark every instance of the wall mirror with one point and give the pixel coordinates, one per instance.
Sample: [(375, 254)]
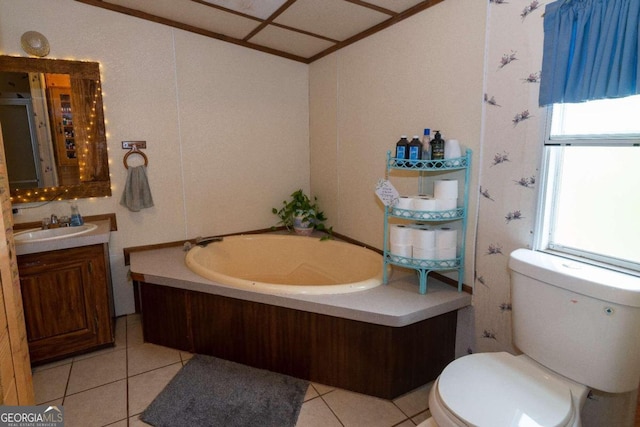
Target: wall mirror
[(53, 129)]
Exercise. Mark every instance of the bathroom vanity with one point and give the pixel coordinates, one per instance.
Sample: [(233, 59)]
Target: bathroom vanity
[(67, 293)]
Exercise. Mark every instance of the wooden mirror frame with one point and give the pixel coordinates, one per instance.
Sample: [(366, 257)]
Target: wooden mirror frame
[(85, 86)]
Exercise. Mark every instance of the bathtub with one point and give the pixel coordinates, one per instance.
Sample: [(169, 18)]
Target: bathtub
[(286, 264), (327, 339)]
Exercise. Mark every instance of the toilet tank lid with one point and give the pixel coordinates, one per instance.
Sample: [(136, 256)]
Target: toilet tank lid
[(579, 277)]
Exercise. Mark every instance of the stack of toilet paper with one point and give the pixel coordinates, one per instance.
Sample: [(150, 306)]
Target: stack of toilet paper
[(445, 191), (400, 241), (446, 243), (444, 198), (421, 241)]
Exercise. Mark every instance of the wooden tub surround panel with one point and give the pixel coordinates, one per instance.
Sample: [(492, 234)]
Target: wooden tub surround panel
[(377, 360)]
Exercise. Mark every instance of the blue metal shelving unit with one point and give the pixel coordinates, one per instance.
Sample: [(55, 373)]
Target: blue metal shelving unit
[(425, 266)]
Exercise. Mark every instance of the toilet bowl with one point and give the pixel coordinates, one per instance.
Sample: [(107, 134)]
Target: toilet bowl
[(577, 327), (499, 389)]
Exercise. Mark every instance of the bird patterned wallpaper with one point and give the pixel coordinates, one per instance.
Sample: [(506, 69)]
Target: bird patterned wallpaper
[(509, 163)]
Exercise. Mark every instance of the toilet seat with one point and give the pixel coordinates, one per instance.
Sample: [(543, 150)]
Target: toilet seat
[(499, 389)]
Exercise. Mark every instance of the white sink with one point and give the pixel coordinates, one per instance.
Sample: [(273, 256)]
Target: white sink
[(39, 235)]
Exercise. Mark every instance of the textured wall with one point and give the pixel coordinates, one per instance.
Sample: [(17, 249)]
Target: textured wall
[(226, 127), (425, 71)]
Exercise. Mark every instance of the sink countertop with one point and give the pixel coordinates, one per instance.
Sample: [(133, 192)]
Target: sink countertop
[(97, 236), (396, 304)]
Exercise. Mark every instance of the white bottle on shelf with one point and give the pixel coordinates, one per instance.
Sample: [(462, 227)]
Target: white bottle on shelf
[(426, 138)]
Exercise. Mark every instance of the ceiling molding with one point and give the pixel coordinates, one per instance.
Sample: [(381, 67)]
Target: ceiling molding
[(291, 51)]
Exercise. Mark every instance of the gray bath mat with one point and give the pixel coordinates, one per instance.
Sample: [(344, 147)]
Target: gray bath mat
[(209, 391)]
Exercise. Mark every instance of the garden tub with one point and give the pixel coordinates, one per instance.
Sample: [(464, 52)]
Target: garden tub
[(274, 263)]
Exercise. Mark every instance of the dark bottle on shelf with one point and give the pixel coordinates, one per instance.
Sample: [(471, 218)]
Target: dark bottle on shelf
[(437, 147), (402, 150), (415, 151)]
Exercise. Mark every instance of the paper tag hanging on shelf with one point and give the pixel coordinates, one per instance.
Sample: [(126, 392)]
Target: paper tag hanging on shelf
[(387, 193)]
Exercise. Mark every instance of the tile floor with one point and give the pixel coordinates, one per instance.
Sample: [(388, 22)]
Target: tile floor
[(112, 387)]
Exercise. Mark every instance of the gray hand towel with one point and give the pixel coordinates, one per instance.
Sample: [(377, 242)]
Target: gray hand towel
[(137, 194)]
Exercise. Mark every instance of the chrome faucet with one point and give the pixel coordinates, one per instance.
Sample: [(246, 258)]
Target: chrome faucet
[(204, 241)]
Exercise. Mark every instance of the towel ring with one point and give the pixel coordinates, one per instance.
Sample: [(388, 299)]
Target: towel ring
[(136, 151)]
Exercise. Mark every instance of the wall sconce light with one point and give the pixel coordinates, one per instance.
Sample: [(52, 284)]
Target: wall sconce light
[(35, 44)]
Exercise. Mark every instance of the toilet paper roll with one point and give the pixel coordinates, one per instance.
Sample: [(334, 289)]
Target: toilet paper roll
[(425, 203), (445, 189), (446, 253), (424, 253), (423, 238), (446, 238), (401, 250), (400, 234), (404, 202), (452, 149), (446, 204)]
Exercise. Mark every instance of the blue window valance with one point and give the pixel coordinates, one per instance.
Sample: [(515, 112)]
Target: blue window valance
[(590, 50)]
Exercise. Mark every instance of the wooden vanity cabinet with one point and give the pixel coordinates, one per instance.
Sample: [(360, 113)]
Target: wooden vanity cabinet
[(68, 303)]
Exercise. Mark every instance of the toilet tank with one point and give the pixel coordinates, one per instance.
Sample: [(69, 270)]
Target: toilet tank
[(578, 320)]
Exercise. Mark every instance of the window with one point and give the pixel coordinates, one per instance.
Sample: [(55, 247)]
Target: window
[(590, 192)]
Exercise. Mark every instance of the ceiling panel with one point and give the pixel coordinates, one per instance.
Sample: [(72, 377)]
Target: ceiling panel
[(301, 30), (395, 5), (292, 42), (335, 19), (194, 14), (259, 8)]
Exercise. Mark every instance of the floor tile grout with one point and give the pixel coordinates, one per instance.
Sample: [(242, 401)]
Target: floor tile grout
[(330, 408), (410, 417), (66, 386)]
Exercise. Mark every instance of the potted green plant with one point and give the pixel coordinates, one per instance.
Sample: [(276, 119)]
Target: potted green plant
[(302, 214)]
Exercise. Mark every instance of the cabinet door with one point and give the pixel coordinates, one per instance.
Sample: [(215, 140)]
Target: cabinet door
[(65, 298)]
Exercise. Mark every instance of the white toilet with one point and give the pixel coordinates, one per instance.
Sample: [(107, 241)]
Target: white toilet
[(577, 326)]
